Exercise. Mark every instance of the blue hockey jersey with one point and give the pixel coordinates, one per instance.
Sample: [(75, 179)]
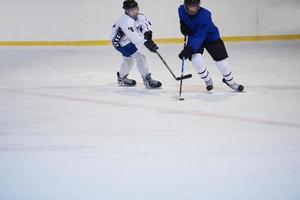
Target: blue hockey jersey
[(201, 25)]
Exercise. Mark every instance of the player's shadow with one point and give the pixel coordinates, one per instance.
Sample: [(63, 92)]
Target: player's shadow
[(218, 94), (138, 91)]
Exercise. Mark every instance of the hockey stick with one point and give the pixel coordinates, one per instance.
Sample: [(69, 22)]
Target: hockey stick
[(182, 69), (176, 78)]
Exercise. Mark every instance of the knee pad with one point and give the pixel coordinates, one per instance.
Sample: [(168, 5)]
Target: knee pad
[(140, 58), (141, 63), (198, 62), (129, 61)]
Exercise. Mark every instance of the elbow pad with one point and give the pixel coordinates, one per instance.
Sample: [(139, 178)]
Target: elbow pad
[(185, 30)]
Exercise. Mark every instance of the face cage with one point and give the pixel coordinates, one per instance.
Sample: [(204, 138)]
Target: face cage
[(127, 11), (188, 12)]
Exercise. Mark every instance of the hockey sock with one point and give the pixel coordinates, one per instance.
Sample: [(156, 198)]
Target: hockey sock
[(197, 62), (141, 63), (126, 66), (225, 70)]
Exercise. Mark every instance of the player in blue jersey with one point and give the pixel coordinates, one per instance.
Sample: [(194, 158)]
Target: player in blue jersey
[(202, 33)]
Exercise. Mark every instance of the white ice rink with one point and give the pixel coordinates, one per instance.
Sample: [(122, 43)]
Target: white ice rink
[(68, 132)]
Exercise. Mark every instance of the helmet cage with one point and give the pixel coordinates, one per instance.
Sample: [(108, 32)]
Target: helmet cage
[(188, 3)]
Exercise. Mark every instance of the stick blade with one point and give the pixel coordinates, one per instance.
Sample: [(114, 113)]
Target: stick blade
[(184, 77), (178, 98)]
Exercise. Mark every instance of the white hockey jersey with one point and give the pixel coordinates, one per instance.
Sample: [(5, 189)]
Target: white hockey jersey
[(127, 30)]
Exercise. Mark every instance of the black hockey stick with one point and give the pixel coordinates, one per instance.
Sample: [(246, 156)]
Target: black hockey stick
[(176, 78), (182, 69)]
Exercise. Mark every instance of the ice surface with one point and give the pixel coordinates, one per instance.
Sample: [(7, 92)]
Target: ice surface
[(68, 132)]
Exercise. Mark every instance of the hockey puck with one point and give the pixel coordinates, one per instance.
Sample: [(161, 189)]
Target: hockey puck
[(181, 98)]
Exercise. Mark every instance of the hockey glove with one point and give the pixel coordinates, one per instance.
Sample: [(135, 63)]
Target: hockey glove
[(151, 46), (148, 35), (184, 29), (186, 53)]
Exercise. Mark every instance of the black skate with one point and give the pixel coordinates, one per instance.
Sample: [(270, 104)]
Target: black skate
[(234, 86), (125, 82), (151, 83), (209, 85)]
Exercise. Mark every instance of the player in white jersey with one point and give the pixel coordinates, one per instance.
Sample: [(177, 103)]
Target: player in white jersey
[(130, 32)]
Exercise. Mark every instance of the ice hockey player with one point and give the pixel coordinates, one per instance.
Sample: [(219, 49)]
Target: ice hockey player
[(197, 25), (132, 31)]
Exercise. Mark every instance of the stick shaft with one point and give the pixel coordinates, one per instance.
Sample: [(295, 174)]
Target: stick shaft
[(182, 68), (161, 58)]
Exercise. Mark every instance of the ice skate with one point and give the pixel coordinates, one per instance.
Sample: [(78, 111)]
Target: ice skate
[(209, 85), (151, 83), (234, 86), (125, 82)]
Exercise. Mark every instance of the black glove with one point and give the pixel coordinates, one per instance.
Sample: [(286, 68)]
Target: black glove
[(148, 35), (186, 53), (151, 46), (185, 30)]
